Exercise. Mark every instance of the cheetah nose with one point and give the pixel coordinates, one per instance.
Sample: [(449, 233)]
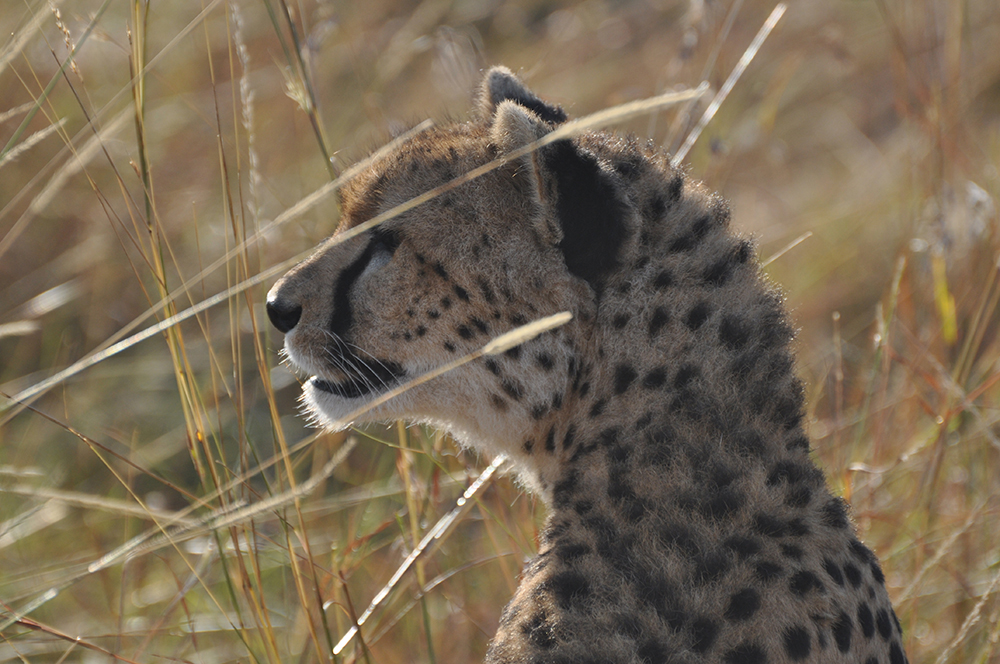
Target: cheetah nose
[(284, 315)]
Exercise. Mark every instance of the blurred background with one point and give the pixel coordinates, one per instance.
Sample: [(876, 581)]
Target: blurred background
[(161, 499)]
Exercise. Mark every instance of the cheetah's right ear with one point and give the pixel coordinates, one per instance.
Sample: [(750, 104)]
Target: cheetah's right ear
[(500, 85)]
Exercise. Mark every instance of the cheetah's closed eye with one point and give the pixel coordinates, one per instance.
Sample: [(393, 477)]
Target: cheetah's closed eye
[(662, 425)]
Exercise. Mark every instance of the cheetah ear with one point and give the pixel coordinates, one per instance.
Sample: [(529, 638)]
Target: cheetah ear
[(513, 127), (500, 85)]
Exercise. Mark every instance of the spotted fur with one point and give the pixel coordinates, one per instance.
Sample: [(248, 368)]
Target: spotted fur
[(663, 425)]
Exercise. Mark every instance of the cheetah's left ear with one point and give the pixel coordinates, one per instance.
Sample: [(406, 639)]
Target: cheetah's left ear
[(500, 85), (577, 206)]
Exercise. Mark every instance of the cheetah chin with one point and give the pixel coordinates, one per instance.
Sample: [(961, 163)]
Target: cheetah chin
[(662, 425)]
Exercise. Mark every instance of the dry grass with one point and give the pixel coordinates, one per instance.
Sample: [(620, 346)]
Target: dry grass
[(165, 502)]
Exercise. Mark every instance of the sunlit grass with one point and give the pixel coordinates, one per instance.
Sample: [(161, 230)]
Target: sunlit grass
[(161, 499)]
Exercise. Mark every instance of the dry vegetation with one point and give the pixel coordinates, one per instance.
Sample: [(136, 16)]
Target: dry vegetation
[(168, 160)]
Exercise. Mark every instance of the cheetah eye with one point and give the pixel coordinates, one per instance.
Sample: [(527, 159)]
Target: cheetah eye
[(385, 239)]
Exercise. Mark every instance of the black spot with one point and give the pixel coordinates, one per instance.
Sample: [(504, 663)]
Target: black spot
[(835, 514), (598, 407), (625, 375), (660, 318), (744, 547), (704, 631), (866, 620), (498, 402), (545, 361), (871, 660), (433, 314), (538, 411), (711, 566), (450, 347), (655, 378), (441, 272), (528, 445), (620, 321), (746, 653), (861, 552), (896, 655), (512, 388), (655, 207), (733, 332), (583, 506), (743, 604), (421, 330), (798, 528), (513, 353), (749, 443), (571, 551), (698, 231), (884, 623), (570, 587), (567, 441), (833, 571), (487, 292), (798, 496), (590, 212), (653, 652), (492, 365), (518, 319), (797, 643), (842, 632), (803, 582), (853, 574), (550, 440), (665, 279), (698, 315), (723, 504), (679, 536), (792, 551), (685, 375), (769, 526), (877, 572), (479, 325), (799, 442), (718, 273), (767, 571), (539, 631), (446, 302)]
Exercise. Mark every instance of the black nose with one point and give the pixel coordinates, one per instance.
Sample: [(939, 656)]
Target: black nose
[(284, 315)]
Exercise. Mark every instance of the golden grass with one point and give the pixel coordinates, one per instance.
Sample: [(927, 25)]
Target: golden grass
[(161, 499)]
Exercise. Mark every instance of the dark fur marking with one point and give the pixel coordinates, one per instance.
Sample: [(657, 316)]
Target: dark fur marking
[(685, 375), (884, 624), (804, 581), (464, 332), (664, 279), (487, 291), (462, 294), (590, 213), (545, 361), (492, 365), (833, 571), (539, 631), (842, 632), (450, 347), (598, 407), (743, 604), (625, 375), (513, 353), (698, 231), (480, 325), (798, 643), (798, 496), (440, 271), (769, 526), (433, 314), (767, 571), (711, 566), (499, 403), (792, 551), (835, 514), (704, 631), (853, 575), (896, 655), (620, 321), (746, 653), (659, 319), (550, 440), (734, 332), (698, 315), (866, 620), (655, 378), (512, 388), (446, 302), (538, 411), (744, 547)]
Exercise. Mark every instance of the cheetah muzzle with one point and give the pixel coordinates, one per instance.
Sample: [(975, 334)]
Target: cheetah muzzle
[(662, 425)]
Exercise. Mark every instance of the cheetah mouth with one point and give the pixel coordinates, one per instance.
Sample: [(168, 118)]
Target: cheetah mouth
[(362, 379)]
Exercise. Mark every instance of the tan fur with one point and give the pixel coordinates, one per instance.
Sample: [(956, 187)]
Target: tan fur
[(662, 425)]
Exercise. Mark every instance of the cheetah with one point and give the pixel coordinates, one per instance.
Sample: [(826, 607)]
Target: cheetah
[(662, 425)]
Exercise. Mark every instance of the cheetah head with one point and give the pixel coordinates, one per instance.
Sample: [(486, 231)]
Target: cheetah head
[(535, 235)]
